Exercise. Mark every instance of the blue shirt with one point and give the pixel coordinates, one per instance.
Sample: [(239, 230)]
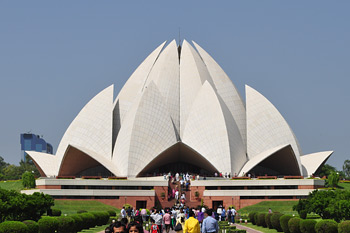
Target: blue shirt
[(210, 225)]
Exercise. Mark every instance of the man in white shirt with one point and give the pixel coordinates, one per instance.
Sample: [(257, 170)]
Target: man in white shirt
[(123, 212)]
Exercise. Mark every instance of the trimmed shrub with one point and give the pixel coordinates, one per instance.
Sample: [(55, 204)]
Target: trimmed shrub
[(48, 225), (326, 226), (65, 225), (256, 218), (344, 227), (33, 227), (238, 231), (81, 211), (268, 220), (101, 218), (78, 222), (307, 226), (294, 225), (88, 219), (284, 222), (261, 220), (303, 214), (252, 217), (56, 212), (13, 227), (112, 213), (275, 221)]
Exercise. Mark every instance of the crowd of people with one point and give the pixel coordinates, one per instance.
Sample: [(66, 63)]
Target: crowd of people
[(181, 220)]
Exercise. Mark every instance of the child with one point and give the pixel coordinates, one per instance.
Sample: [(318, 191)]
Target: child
[(154, 227)]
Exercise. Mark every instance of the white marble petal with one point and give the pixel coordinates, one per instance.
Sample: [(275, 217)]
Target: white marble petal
[(92, 127), (266, 128), (211, 131), (148, 131), (226, 90), (46, 163), (136, 82), (166, 75), (193, 74), (311, 162), (260, 157)]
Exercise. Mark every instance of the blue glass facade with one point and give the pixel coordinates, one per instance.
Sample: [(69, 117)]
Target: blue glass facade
[(34, 142)]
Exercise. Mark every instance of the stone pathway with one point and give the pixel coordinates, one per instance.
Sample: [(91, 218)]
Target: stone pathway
[(249, 230)]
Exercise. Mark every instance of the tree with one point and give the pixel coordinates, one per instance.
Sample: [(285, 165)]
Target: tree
[(326, 170), (346, 168), (333, 179), (28, 180), (331, 204)]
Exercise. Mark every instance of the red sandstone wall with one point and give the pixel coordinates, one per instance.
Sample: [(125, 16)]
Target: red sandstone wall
[(237, 202), (118, 203), (48, 186)]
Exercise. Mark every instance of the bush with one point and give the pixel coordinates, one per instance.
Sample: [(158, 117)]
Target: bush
[(81, 211), (112, 213), (88, 219), (13, 227), (284, 223), (33, 226), (65, 225), (28, 180), (101, 218), (48, 225), (344, 227), (268, 220), (326, 226), (294, 225), (307, 226), (55, 212), (275, 221), (261, 220), (256, 218), (78, 222), (252, 217)]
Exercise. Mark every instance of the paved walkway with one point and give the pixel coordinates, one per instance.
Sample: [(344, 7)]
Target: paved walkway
[(249, 230)]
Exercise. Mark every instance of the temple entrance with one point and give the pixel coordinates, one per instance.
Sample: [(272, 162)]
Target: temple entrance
[(179, 158)]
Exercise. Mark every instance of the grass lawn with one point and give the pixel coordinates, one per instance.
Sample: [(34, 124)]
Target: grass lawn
[(345, 186), (262, 229), (11, 185), (72, 206), (95, 229), (285, 207)]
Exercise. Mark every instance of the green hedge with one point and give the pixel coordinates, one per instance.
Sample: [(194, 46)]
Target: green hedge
[(275, 221), (33, 227), (79, 223), (112, 213), (13, 227), (252, 217), (344, 227), (66, 224), (48, 224), (326, 226), (294, 225), (307, 226), (55, 212), (268, 220), (88, 219), (284, 222), (261, 220)]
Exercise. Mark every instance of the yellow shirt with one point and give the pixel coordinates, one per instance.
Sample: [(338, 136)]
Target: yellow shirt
[(191, 226)]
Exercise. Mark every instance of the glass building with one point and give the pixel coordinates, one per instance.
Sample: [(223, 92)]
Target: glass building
[(32, 142)]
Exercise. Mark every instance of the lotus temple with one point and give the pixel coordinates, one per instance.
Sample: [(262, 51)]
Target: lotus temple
[(178, 112)]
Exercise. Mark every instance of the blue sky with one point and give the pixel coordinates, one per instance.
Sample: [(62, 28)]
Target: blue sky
[(56, 55)]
